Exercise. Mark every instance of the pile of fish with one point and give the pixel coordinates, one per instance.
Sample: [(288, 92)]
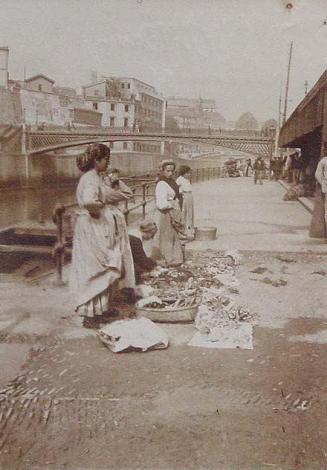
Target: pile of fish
[(210, 284), (169, 303)]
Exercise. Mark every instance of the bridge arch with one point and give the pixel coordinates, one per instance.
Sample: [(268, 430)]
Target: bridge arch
[(44, 142)]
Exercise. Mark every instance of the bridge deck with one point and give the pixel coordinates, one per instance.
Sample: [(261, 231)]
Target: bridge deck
[(46, 141)]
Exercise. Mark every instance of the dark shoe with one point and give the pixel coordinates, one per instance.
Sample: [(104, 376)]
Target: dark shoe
[(109, 315), (129, 294), (111, 312), (91, 322)]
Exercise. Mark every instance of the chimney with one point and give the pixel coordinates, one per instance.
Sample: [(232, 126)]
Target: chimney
[(4, 53)]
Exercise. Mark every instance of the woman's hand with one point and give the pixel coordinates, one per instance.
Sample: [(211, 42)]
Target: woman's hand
[(166, 211), (94, 209)]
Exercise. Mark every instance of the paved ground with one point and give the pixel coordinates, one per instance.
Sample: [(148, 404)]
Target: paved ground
[(253, 217), (76, 405)]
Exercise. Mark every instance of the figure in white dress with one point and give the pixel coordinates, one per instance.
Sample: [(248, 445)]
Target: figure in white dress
[(101, 251), (185, 189), (170, 218)]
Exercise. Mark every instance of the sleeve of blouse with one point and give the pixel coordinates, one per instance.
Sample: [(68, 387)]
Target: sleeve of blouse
[(179, 181), (319, 173), (122, 193), (161, 196), (90, 192), (126, 190)]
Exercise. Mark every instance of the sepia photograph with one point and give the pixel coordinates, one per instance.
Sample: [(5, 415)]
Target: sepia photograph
[(163, 234)]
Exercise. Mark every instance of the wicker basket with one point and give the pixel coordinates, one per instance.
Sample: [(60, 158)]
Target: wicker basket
[(176, 315)]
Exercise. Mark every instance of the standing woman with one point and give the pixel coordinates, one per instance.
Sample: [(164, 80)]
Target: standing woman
[(168, 204), (185, 189), (100, 244)]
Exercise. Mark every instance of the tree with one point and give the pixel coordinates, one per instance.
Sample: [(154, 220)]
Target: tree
[(269, 124), (247, 121)]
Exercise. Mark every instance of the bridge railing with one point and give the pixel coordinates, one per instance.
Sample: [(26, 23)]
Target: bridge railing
[(201, 132), (63, 215)]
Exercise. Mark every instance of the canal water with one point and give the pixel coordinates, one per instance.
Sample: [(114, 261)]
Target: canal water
[(37, 204), (32, 204)]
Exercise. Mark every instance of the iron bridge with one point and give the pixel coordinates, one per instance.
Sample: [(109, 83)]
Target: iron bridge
[(40, 142)]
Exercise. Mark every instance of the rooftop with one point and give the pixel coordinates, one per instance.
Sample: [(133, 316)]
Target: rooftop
[(40, 75)]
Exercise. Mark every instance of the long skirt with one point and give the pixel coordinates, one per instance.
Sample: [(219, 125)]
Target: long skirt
[(188, 212), (101, 258), (169, 242)]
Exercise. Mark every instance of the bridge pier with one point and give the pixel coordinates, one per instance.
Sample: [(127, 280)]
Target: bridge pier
[(24, 152)]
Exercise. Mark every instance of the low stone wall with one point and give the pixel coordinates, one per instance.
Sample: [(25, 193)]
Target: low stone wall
[(60, 169), (56, 169)]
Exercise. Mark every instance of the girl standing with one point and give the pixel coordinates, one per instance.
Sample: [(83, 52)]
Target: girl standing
[(168, 198), (185, 189)]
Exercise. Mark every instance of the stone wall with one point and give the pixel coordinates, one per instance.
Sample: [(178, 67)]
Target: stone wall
[(55, 169), (12, 170), (10, 109), (43, 108)]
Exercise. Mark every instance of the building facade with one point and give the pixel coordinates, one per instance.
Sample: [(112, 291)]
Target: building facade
[(193, 113), (127, 103), (150, 110), (80, 117), (41, 108), (39, 83), (150, 107), (4, 76)]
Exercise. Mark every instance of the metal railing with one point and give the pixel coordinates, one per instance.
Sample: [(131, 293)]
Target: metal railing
[(143, 191), (203, 132)]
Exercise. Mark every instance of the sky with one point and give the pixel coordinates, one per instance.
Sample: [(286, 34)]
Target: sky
[(234, 51)]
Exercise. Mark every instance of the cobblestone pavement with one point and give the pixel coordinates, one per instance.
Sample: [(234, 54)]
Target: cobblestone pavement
[(77, 405)]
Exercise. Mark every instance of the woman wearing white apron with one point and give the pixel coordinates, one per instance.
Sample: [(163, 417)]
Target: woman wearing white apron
[(168, 205), (101, 252), (185, 189)]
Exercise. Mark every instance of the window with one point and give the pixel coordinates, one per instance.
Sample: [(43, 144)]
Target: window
[(124, 145), (112, 107), (95, 106), (39, 87), (123, 85), (112, 122), (126, 108), (125, 122), (128, 85), (96, 92)]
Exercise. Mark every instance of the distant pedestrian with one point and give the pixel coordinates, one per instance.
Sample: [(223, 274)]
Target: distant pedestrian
[(259, 170), (185, 188), (289, 167), (279, 168), (321, 177), (297, 168), (272, 168), (248, 167)]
